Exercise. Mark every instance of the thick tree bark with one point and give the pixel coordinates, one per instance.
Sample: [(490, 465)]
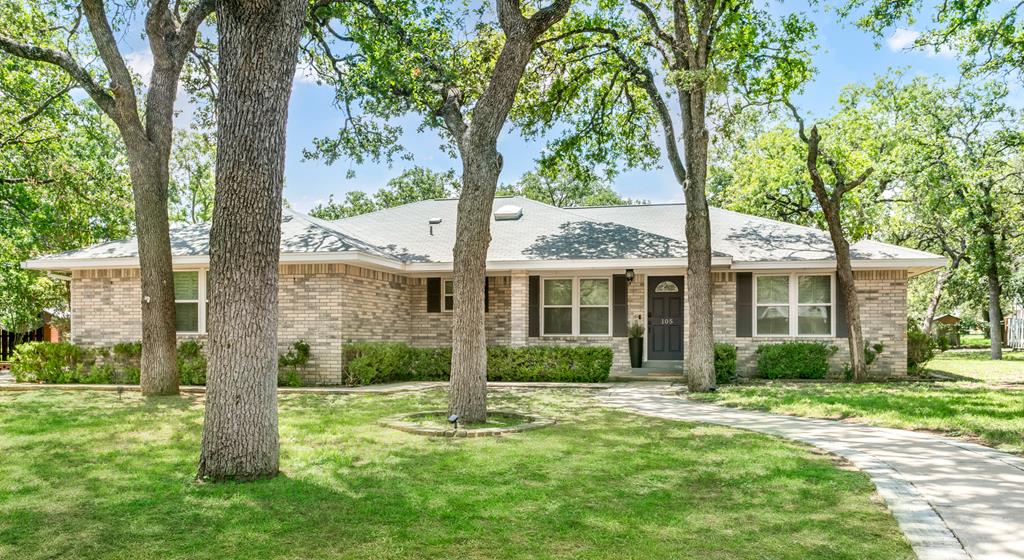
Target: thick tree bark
[(148, 145), (700, 347), (148, 167), (258, 45), (481, 164)]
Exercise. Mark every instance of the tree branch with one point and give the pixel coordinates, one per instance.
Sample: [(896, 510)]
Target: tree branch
[(64, 61)]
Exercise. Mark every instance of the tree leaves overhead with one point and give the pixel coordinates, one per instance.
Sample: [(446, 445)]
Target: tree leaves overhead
[(390, 59), (988, 34), (586, 89), (63, 184)]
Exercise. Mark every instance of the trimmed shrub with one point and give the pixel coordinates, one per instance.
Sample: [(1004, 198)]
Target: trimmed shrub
[(920, 347), (725, 363), (387, 362), (794, 360), (574, 364), (288, 364), (191, 363), (64, 362)]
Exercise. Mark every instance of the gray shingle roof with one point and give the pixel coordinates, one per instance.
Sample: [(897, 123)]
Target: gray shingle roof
[(748, 238), (543, 233), (299, 234)]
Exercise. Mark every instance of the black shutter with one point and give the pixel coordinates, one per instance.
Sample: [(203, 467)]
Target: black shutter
[(534, 306), (620, 312), (744, 304), (433, 295), (842, 327), (487, 294)]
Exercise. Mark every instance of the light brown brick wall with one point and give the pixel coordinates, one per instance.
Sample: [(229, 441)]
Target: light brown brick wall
[(106, 306), (520, 292), (435, 329), (329, 304), (883, 304)]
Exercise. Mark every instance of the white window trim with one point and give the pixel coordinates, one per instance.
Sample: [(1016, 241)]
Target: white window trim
[(794, 305), (202, 301), (445, 294), (575, 306)]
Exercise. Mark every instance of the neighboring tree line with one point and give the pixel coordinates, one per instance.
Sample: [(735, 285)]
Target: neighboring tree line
[(420, 183)]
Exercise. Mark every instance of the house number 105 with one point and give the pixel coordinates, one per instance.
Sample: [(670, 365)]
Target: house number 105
[(668, 321)]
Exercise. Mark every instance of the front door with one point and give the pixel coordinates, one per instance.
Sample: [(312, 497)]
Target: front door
[(664, 317)]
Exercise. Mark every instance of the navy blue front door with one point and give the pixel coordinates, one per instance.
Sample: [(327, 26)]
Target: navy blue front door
[(664, 317)]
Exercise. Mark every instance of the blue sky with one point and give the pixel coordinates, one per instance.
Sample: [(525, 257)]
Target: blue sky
[(846, 55)]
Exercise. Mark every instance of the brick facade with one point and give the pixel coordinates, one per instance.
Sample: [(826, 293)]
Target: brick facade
[(329, 304)]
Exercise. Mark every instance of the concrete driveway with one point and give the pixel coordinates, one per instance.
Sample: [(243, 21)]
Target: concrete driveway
[(952, 499)]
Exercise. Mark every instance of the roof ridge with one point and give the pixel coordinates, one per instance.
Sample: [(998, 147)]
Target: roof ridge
[(648, 204), (343, 235)]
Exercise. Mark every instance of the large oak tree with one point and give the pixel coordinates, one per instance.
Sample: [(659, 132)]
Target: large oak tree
[(55, 37), (460, 70), (258, 45)]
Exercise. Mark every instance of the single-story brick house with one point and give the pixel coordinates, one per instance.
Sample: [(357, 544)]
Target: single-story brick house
[(556, 276)]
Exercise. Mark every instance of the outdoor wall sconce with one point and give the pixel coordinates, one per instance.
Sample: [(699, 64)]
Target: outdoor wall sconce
[(630, 275)]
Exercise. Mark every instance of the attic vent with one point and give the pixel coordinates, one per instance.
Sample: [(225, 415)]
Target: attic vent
[(286, 218), (508, 212)]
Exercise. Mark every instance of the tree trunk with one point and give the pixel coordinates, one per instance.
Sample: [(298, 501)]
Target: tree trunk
[(468, 385), (936, 297), (258, 45), (148, 167), (700, 345), (481, 165), (844, 269), (995, 292)]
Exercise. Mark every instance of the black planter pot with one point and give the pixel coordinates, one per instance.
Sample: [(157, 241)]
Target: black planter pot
[(636, 352)]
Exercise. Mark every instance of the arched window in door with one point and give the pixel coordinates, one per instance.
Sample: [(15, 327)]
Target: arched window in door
[(667, 286)]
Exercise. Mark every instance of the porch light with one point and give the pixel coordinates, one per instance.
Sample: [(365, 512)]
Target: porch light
[(630, 275)]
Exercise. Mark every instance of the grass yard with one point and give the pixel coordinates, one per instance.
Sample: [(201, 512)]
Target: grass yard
[(976, 366), (974, 341), (88, 475), (968, 408)]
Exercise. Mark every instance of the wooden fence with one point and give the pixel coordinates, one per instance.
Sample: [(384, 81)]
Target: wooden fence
[(8, 340), (1015, 332)]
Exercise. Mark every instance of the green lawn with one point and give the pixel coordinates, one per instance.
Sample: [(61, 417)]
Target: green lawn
[(967, 408), (976, 366), (974, 341), (88, 475)]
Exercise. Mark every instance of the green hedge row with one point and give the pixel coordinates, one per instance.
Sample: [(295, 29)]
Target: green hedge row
[(794, 360), (64, 362), (388, 362)]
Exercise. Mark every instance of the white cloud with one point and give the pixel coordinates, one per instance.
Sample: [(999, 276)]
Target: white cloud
[(901, 39), (140, 62), (305, 74)]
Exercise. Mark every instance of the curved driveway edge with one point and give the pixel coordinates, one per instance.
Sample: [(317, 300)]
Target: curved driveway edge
[(952, 499)]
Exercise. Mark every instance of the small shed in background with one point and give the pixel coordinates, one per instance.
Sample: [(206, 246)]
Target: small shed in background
[(948, 327)]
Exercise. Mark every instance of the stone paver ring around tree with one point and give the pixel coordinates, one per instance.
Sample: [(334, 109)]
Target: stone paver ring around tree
[(952, 499)]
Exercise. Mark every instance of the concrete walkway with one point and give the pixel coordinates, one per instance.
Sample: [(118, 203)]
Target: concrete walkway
[(952, 499)]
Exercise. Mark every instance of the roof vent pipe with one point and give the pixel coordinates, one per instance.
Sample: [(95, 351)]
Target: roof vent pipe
[(433, 222)]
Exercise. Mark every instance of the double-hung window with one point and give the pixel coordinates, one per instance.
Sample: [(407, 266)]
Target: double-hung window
[(190, 301), (449, 295), (576, 306), (794, 305)]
